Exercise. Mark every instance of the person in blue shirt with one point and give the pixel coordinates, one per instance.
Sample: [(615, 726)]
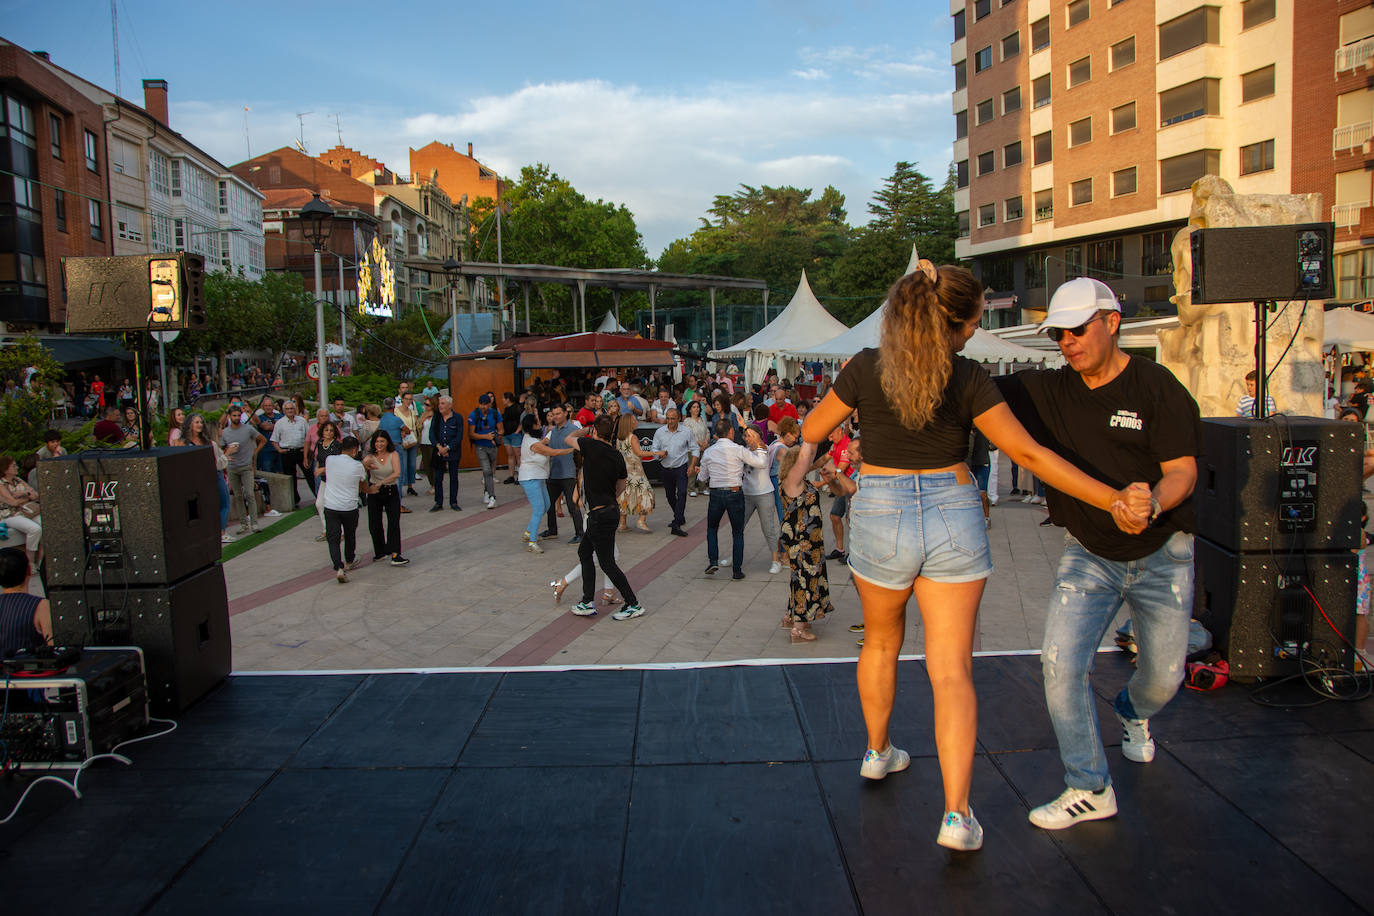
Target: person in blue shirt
[(484, 426), (446, 435)]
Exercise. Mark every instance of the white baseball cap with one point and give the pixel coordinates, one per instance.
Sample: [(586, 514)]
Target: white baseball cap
[(1078, 301)]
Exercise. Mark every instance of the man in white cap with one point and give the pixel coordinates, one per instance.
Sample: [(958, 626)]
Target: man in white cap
[(1120, 418)]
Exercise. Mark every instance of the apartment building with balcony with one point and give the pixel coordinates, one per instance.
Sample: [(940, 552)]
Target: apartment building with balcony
[(1334, 82), (1082, 124)]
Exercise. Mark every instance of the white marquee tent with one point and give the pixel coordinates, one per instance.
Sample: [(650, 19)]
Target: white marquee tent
[(610, 324), (800, 326), (1348, 329)]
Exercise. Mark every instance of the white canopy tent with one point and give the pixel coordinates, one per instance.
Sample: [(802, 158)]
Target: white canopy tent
[(1347, 329), (803, 324), (610, 324)]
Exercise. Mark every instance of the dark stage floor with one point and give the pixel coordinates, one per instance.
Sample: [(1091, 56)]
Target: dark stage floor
[(721, 790)]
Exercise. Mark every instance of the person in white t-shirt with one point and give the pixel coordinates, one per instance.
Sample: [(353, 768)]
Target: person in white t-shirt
[(344, 479)]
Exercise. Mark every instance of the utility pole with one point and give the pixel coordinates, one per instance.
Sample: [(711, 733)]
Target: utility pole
[(114, 27)]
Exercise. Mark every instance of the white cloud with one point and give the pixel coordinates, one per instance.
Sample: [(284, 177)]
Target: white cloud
[(811, 73), (665, 155)]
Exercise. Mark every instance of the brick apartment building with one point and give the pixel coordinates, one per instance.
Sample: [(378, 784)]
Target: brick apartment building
[(56, 204), (1343, 110), (1082, 124)]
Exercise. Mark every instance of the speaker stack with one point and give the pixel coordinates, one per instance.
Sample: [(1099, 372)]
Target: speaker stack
[(1278, 505), (133, 548)]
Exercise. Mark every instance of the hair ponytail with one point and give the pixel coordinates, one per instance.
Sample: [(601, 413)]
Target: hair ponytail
[(925, 309)]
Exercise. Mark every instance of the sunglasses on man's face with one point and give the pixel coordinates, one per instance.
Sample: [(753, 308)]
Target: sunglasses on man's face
[(1057, 334)]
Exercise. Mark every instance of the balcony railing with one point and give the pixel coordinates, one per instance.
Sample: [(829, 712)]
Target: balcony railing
[(1044, 213), (1357, 55), (1351, 136), (1347, 215)]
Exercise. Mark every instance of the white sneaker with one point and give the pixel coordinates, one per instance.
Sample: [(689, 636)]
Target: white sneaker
[(892, 760), (959, 832), (1074, 806), (1028, 498), (1136, 743), (533, 547), (271, 513), (775, 568)]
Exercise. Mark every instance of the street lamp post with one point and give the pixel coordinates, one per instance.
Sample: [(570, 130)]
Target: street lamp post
[(451, 268), (317, 219)]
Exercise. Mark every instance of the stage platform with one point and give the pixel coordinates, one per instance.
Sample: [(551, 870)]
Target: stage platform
[(715, 790)]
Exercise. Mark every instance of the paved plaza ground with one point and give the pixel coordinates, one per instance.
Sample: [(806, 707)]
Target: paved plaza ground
[(473, 597)]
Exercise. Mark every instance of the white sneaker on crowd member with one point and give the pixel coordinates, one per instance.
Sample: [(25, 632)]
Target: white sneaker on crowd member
[(959, 832), (775, 568), (1136, 743), (1074, 806), (876, 765)]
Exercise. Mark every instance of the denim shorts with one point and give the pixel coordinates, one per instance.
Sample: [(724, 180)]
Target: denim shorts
[(513, 440), (906, 525)]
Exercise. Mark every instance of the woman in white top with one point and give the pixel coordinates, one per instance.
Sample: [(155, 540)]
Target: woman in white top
[(534, 476)]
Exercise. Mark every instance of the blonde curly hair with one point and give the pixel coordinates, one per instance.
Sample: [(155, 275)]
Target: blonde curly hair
[(915, 353)]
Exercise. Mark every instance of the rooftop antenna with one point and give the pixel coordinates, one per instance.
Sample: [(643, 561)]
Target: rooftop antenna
[(247, 141), (114, 27), (338, 128), (300, 142)]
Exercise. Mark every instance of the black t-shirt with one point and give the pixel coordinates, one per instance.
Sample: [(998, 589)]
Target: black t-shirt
[(1118, 433), (510, 420), (941, 442), (602, 466)]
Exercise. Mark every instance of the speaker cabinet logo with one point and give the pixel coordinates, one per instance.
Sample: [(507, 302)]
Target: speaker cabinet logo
[(100, 490)]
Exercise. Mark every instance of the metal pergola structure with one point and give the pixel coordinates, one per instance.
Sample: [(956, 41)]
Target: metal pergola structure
[(616, 280)]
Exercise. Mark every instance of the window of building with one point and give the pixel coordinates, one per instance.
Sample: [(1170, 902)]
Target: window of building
[(59, 209), (958, 25), (92, 150), (161, 231), (1357, 25), (961, 218), (1254, 12), (1123, 53), (26, 197), (1158, 293), (55, 135), (1104, 259), (961, 124), (1040, 34), (1081, 192), (1011, 154), (1080, 71), (998, 273), (961, 173), (1040, 91), (1257, 84), (1073, 262), (960, 81), (1078, 11), (1191, 100), (1257, 157), (985, 163), (93, 213), (1035, 269), (223, 197), (982, 59), (124, 157), (1123, 118), (1123, 181), (33, 272), (20, 122), (1011, 45), (1201, 26), (981, 8), (1356, 271), (1156, 259), (128, 223), (1080, 132), (1044, 205), (985, 111), (987, 215), (1178, 173), (158, 172), (176, 177), (1011, 100), (1042, 149), (1012, 208)]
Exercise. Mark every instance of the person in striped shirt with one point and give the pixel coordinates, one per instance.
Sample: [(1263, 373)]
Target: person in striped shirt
[(1245, 407)]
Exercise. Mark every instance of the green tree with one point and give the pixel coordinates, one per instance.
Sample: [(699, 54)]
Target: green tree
[(397, 349), (24, 416), (545, 220)]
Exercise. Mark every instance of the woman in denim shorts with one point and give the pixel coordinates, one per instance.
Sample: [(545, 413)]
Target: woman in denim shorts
[(916, 522)]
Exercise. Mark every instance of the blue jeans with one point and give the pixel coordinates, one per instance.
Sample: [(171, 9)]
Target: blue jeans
[(408, 456), (725, 502), (777, 496), (537, 492), (1088, 592), (223, 500)]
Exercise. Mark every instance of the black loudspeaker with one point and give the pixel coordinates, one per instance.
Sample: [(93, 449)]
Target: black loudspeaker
[(183, 630), (152, 292), (1280, 483), (1260, 615), (1257, 263), (137, 517)]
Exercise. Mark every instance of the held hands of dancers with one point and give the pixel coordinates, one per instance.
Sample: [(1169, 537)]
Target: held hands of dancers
[(1133, 508)]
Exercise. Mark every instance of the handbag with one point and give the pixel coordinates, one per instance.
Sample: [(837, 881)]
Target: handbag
[(409, 440)]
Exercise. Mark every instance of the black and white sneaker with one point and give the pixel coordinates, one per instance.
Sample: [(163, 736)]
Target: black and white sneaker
[(1074, 806), (712, 569), (398, 560)]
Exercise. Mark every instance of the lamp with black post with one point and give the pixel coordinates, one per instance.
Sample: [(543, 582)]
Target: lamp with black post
[(317, 222), (451, 270)]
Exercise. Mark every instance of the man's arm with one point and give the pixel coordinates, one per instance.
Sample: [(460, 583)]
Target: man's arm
[(276, 437), (42, 620)]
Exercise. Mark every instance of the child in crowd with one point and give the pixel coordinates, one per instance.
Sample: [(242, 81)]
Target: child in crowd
[(803, 542)]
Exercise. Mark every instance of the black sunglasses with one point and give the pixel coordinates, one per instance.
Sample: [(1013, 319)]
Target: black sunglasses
[(1057, 334)]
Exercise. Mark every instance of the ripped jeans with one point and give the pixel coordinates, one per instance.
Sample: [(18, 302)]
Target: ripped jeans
[(1088, 592)]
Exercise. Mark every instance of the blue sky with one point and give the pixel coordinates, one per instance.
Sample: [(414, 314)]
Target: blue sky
[(658, 108)]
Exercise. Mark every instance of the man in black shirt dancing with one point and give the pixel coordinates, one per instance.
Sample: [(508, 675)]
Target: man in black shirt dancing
[(603, 478)]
